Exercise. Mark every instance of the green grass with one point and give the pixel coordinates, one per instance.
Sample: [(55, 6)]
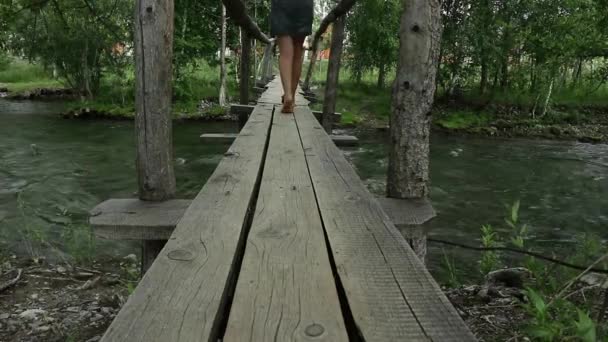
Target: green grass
[(462, 119), (21, 76), (358, 102)]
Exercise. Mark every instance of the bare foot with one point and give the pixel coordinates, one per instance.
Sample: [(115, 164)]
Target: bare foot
[(288, 105)]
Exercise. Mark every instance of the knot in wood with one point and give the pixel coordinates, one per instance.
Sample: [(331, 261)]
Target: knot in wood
[(149, 9), (314, 330), (181, 255), (416, 28)]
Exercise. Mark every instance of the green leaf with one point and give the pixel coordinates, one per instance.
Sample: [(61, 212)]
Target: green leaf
[(585, 327), (515, 212), (537, 302)]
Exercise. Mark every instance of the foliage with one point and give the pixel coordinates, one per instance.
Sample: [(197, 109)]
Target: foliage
[(553, 315), (373, 40), (560, 321), (489, 260), (462, 119), (520, 45), (74, 38)]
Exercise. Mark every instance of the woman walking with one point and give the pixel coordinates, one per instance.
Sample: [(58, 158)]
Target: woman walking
[(291, 22)]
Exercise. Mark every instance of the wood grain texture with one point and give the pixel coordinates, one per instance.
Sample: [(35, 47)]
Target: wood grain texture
[(333, 73), (153, 40), (274, 92), (183, 295), (133, 219), (344, 140), (391, 295), (286, 290), (219, 138), (409, 211), (225, 138)]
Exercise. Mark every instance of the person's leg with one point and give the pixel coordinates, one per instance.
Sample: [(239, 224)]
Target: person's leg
[(298, 51), (285, 66)]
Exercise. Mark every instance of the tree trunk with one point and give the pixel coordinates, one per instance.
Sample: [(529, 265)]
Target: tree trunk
[(333, 73), (504, 73), (381, 75), (413, 93), (222, 96), (341, 9), (311, 68), (153, 75), (483, 84), (245, 72)]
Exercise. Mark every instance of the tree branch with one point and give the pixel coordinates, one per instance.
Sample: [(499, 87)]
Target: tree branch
[(341, 9), (238, 12)]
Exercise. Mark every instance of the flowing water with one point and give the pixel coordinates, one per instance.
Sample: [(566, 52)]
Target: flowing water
[(52, 171)]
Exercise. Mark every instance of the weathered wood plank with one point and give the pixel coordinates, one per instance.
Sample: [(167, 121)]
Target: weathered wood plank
[(240, 109), (226, 138), (153, 41), (134, 219), (184, 294), (344, 140), (336, 117), (406, 212), (274, 92), (286, 290), (391, 295), (219, 138)]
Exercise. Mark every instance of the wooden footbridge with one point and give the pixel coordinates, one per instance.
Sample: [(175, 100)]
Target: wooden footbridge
[(283, 243)]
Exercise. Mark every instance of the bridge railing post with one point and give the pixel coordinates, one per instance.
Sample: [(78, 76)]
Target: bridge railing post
[(153, 88)]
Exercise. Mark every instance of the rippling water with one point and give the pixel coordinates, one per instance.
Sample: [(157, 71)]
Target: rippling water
[(52, 171)]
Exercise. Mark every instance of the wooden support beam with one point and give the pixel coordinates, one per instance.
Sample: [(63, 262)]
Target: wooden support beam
[(344, 140), (333, 73), (134, 219), (219, 138), (240, 109), (336, 117), (227, 138), (153, 40), (409, 215)]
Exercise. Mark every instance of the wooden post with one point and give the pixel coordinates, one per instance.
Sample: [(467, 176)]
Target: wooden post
[(413, 92), (153, 81), (245, 72), (333, 73)]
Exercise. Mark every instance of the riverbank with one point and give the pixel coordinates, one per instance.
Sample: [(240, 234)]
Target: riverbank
[(63, 302), (575, 122)]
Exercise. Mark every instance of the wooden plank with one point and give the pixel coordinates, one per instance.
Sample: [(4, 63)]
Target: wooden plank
[(183, 297), (274, 92), (286, 290), (226, 138), (134, 219), (336, 117), (391, 295), (219, 138), (407, 212), (344, 140), (239, 109)]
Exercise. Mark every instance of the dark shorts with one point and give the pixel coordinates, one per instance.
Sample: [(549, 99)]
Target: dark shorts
[(291, 18)]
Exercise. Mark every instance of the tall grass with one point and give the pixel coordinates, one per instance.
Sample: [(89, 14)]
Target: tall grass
[(20, 75)]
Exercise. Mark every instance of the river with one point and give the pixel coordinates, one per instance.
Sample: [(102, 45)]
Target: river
[(52, 171)]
